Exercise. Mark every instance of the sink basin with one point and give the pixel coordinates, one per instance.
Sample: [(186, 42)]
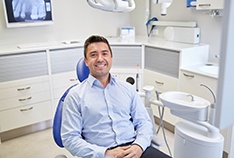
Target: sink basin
[(213, 69), (185, 105)]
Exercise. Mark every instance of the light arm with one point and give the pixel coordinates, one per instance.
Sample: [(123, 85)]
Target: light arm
[(113, 5)]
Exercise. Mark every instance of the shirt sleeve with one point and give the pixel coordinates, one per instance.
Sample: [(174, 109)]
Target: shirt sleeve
[(142, 122), (71, 131)]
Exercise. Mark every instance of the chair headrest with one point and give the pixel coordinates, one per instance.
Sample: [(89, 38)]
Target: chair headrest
[(82, 71)]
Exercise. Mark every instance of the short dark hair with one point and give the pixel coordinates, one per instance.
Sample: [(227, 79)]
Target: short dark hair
[(94, 39)]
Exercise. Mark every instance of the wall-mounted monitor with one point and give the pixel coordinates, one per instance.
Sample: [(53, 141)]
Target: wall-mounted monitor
[(24, 13)]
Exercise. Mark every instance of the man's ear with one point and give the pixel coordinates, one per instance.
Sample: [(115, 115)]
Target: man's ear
[(86, 61)]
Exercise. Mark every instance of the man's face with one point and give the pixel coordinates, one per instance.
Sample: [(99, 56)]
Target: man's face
[(98, 59)]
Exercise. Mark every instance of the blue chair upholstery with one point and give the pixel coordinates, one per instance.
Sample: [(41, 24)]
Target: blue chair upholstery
[(82, 72)]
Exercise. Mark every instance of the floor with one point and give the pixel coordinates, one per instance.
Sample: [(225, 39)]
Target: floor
[(41, 145)]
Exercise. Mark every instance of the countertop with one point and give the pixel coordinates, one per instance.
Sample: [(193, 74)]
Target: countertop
[(37, 46), (196, 69), (145, 41)]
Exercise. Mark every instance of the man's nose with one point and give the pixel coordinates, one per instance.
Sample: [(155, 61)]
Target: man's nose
[(100, 57)]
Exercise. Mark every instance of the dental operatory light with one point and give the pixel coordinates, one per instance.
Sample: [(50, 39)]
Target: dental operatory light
[(164, 5), (113, 5)]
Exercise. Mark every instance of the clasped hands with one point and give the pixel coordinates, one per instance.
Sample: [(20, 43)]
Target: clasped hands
[(130, 151)]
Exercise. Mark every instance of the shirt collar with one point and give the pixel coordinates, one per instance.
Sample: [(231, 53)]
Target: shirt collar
[(95, 82)]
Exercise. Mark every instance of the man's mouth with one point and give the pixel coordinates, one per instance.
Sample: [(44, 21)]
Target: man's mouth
[(100, 65)]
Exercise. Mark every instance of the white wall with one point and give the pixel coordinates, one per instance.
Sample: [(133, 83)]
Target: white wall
[(210, 27), (73, 19)]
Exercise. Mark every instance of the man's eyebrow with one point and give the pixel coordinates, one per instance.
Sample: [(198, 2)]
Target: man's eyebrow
[(92, 52)]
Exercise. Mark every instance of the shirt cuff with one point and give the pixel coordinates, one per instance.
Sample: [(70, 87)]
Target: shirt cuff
[(143, 143), (101, 151)]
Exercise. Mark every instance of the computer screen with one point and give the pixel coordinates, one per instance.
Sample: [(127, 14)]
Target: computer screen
[(23, 13)]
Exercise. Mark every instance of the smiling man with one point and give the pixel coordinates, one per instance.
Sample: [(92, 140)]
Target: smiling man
[(104, 116)]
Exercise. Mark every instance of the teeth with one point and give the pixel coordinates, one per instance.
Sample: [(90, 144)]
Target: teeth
[(100, 64)]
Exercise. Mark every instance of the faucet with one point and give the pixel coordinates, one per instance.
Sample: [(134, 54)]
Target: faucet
[(212, 92), (212, 106), (192, 97)]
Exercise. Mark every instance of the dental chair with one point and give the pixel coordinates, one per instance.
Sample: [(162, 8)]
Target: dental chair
[(82, 72)]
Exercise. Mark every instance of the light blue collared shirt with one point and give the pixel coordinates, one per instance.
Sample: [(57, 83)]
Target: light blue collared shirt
[(97, 118)]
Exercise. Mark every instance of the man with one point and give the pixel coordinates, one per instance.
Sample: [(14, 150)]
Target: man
[(104, 116)]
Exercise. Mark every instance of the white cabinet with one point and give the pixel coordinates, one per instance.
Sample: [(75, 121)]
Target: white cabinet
[(191, 83), (63, 70), (127, 56), (162, 69), (127, 62), (31, 82), (161, 84), (209, 4), (162, 72), (25, 96)]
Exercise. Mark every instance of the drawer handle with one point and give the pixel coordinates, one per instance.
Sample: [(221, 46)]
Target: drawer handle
[(73, 79), (25, 99), (157, 82), (187, 75), (22, 110), (23, 89)]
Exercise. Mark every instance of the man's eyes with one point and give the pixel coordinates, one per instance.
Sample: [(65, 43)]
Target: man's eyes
[(93, 55), (104, 53)]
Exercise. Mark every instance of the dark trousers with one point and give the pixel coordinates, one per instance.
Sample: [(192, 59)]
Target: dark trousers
[(151, 152)]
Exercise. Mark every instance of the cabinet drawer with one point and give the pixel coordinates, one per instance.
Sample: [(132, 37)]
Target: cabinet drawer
[(160, 82), (191, 83), (23, 116), (24, 89), (64, 79), (24, 100)]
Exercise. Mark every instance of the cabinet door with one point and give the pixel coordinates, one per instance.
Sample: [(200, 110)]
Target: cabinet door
[(162, 72), (64, 60), (21, 66), (161, 84), (61, 82), (127, 56), (191, 83), (209, 4), (162, 61)]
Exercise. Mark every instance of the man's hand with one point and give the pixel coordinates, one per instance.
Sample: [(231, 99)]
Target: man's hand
[(29, 9), (131, 151)]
